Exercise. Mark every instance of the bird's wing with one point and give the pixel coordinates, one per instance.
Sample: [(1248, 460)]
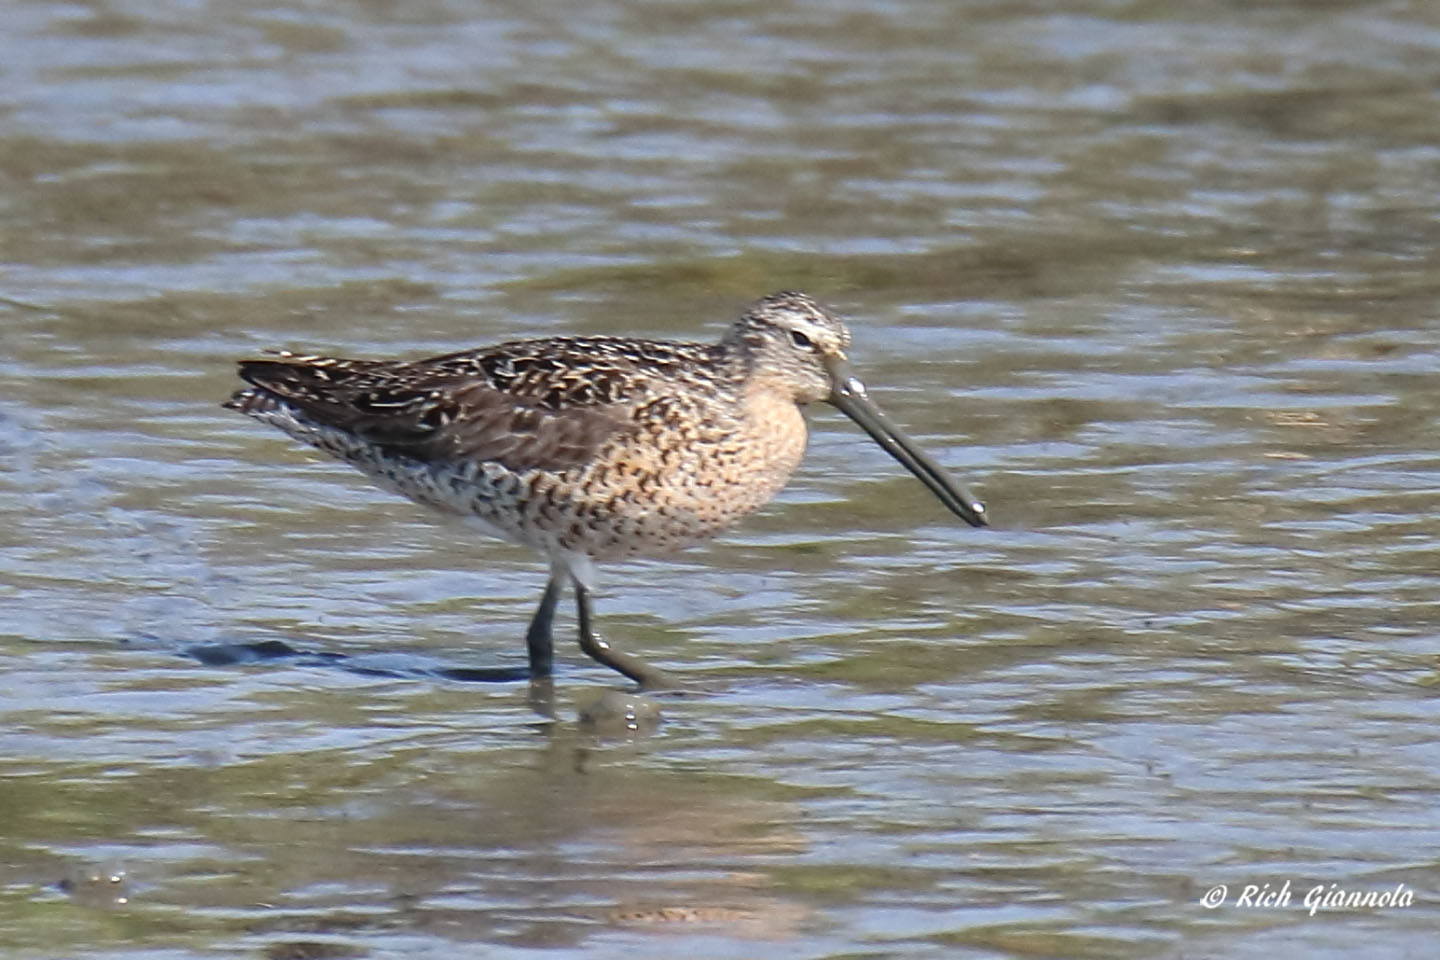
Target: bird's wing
[(444, 409)]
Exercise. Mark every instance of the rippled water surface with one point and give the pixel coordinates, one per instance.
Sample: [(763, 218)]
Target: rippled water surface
[(1158, 280)]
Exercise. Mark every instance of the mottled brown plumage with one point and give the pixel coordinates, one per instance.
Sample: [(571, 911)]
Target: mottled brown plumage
[(589, 448)]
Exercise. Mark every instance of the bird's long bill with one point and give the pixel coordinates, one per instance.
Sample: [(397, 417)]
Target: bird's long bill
[(849, 394)]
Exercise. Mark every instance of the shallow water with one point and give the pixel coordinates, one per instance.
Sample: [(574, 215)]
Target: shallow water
[(1158, 281)]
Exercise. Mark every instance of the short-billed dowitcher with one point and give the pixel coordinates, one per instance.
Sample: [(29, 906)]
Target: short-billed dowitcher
[(590, 448)]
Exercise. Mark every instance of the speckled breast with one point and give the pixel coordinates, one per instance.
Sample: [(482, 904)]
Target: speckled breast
[(682, 478)]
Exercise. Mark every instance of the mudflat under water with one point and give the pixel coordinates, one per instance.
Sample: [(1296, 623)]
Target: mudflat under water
[(1158, 280)]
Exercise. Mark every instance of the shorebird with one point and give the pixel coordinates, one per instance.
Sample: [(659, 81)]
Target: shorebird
[(590, 448)]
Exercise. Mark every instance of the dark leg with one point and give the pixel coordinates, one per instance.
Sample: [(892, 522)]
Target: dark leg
[(539, 639), (601, 650)]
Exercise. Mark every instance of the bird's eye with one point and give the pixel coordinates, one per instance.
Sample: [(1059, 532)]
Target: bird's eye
[(801, 341)]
